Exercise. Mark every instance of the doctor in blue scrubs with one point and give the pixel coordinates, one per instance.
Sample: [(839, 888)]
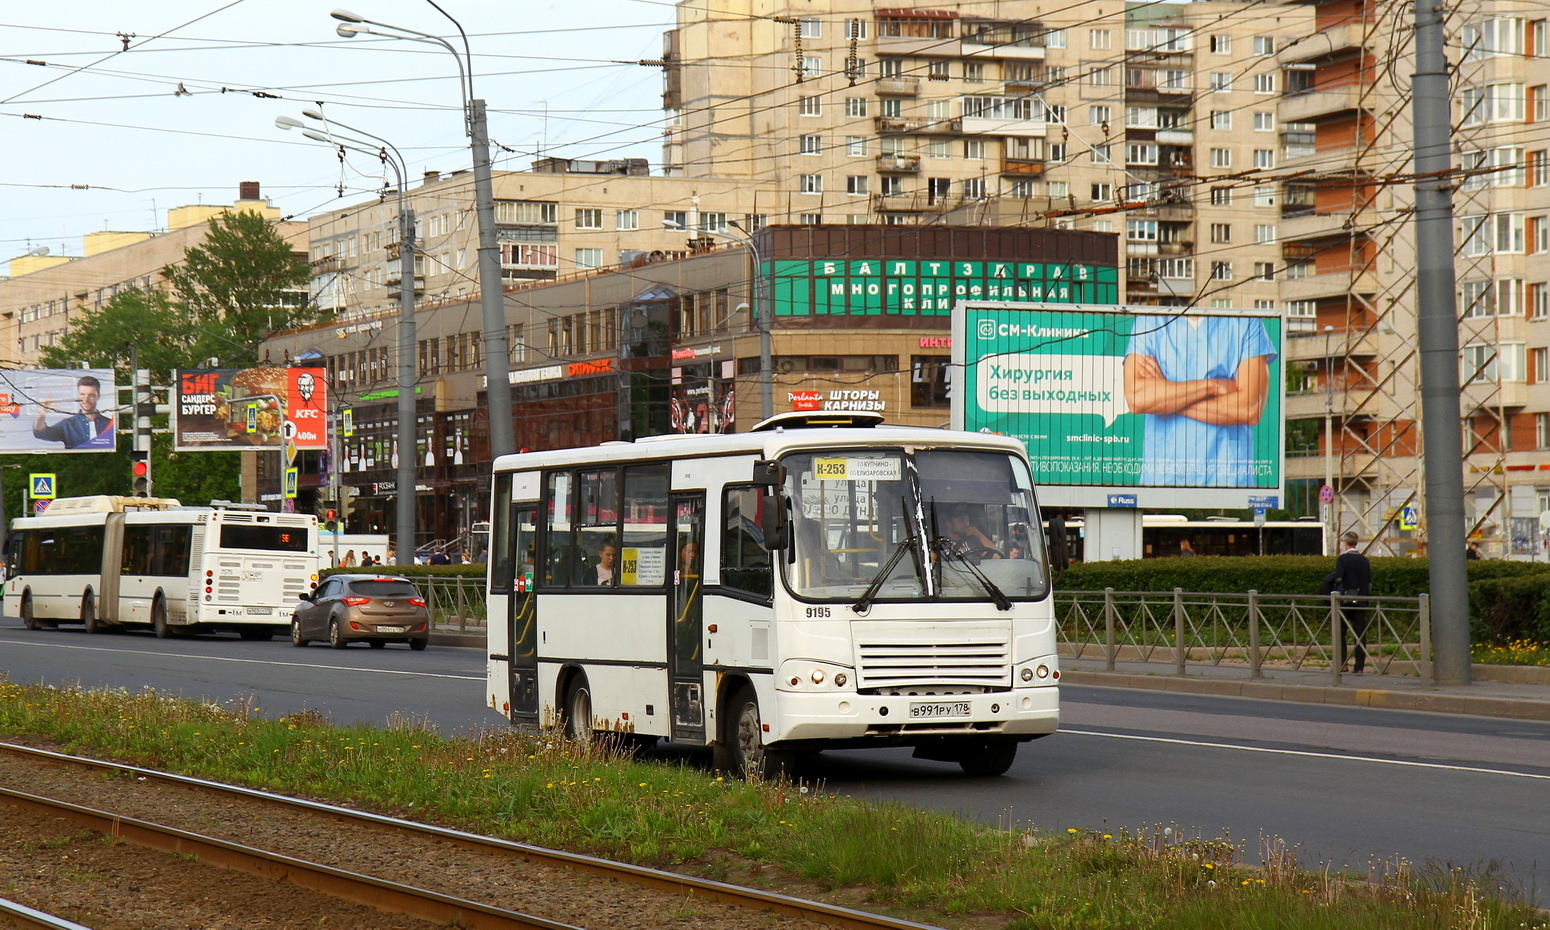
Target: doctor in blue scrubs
[(1201, 382)]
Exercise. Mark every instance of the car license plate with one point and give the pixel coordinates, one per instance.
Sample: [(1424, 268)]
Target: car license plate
[(258, 611), (390, 629), (922, 711)]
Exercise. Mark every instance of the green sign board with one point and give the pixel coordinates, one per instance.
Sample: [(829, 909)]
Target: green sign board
[(1128, 397), (929, 287)]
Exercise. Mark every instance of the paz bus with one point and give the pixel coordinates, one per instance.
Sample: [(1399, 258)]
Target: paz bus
[(111, 562), (777, 592)]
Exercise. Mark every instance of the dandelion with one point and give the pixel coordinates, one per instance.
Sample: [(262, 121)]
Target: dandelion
[(1071, 830)]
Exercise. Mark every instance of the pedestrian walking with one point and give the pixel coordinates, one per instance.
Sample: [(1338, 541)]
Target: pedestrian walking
[(1353, 582)]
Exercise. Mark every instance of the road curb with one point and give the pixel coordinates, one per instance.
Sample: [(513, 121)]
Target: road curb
[(1431, 701), (466, 640)]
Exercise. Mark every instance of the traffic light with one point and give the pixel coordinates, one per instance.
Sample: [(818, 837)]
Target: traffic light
[(141, 470), (329, 516)]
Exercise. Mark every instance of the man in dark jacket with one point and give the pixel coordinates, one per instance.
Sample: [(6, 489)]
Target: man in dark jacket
[(1353, 579)]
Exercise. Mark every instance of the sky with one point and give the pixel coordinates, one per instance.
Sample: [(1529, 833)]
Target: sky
[(111, 113)]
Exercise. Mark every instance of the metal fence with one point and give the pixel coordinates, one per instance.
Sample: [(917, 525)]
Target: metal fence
[(1251, 631), (454, 603)]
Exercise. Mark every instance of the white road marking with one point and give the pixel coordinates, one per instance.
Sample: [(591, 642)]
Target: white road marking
[(1305, 752), (340, 668)]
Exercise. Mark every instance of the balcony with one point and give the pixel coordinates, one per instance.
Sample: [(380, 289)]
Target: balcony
[(898, 87), (995, 126), (1172, 96), (1314, 226), (900, 203), (898, 164), (1175, 137), (1023, 88), (1319, 104), (1330, 284), (1488, 395), (920, 46), (895, 125), (1003, 50), (1023, 167), (1325, 43)]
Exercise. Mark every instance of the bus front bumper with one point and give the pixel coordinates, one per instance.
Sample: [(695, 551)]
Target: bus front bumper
[(1022, 713)]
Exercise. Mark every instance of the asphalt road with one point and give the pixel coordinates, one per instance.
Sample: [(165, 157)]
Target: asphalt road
[(1348, 785)]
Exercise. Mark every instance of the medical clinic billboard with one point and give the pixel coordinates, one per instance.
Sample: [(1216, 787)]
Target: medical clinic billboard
[(1133, 397), (58, 410), (224, 409)]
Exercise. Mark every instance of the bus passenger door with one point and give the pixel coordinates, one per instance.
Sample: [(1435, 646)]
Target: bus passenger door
[(523, 620), (685, 625)]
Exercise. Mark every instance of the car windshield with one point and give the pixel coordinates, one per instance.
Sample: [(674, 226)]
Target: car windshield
[(383, 589), (960, 518)]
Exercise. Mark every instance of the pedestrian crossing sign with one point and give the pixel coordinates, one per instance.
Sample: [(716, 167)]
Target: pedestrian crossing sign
[(42, 486), (292, 479)]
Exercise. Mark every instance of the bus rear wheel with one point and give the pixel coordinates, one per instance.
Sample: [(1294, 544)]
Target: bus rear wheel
[(29, 619), (159, 619), (89, 614), (742, 733), (578, 711)]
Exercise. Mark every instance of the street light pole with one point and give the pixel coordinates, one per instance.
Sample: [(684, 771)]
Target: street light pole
[(492, 299), (408, 419)]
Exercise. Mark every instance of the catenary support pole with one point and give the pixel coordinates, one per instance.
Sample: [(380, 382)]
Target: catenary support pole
[(1437, 337)]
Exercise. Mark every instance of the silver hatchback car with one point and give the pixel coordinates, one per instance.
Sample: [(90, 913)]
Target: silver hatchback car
[(376, 609)]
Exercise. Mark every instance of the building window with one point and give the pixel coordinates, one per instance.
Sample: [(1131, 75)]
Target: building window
[(1221, 45), (930, 377), (1099, 39), (1100, 77), (1264, 233), (627, 219), (1264, 196), (589, 258), (939, 109), (1221, 120), (1098, 116), (855, 28), (893, 109), (810, 219), (811, 145), (1221, 158), (812, 66), (1141, 153), (1221, 196), (1541, 361), (1024, 189), (1059, 189), (811, 184), (589, 218), (973, 72), (974, 149), (810, 106), (855, 107), (1265, 271), (856, 184), (1102, 192), (1141, 230), (1265, 83), (892, 186), (1100, 154), (1264, 158), (1055, 38), (1221, 232), (809, 28), (1537, 296), (937, 70), (1221, 80), (1221, 271), (938, 189), (974, 188), (856, 146), (939, 148), (1264, 122), (526, 212), (1542, 437), (1264, 45)]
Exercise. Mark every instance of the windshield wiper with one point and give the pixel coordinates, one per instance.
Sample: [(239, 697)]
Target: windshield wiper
[(946, 547), (906, 544)]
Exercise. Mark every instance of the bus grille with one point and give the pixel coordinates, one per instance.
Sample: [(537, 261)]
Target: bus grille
[(934, 659)]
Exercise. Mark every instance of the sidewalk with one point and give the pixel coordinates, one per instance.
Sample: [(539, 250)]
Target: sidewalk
[(1495, 691)]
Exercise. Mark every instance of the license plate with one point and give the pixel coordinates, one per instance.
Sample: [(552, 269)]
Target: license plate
[(920, 711), (258, 611), (390, 629)]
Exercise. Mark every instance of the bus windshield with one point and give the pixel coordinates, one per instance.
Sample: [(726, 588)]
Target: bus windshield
[(889, 525)]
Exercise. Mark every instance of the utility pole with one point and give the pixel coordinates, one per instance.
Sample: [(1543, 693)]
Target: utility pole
[(1437, 337)]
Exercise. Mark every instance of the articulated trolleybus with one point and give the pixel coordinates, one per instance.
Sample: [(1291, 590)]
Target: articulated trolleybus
[(115, 561), (820, 582)]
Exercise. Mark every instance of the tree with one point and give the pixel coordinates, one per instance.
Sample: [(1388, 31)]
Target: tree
[(229, 292)]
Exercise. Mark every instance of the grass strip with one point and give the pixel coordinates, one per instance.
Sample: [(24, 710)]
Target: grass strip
[(544, 790)]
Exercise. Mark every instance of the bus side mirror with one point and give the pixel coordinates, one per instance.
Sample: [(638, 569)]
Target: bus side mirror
[(768, 473), (775, 525)]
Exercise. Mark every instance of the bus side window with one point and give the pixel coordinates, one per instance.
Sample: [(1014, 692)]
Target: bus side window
[(745, 563)]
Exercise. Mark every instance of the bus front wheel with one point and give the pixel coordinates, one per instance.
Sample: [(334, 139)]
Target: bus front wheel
[(743, 736), (29, 619), (989, 760), (578, 711)]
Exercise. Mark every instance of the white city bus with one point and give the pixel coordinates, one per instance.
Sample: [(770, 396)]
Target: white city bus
[(109, 562), (777, 592)]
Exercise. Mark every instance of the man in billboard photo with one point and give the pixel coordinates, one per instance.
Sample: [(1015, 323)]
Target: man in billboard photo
[(87, 429), (1201, 383)]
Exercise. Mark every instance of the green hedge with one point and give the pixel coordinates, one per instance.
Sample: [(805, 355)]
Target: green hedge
[(1507, 600)]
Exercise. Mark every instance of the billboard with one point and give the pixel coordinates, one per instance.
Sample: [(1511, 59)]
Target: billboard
[(1132, 397), (58, 410), (224, 409)]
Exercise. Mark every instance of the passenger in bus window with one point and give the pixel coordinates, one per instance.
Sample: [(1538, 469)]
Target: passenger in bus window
[(607, 559)]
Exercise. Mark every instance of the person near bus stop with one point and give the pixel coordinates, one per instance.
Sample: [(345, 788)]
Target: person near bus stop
[(1353, 579), (1473, 552)]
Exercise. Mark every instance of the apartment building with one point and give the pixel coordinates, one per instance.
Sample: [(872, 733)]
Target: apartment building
[(44, 294), (1349, 249)]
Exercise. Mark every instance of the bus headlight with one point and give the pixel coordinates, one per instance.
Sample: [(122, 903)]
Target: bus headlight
[(1034, 673), (808, 675), (817, 676)]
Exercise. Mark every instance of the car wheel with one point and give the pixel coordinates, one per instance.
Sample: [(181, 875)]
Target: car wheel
[(377, 643), (89, 614), (418, 645), (29, 620), (159, 619), (336, 636), (743, 734), (296, 638)]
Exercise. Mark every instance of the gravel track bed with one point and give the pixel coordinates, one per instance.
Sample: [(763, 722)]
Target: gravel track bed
[(58, 867)]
